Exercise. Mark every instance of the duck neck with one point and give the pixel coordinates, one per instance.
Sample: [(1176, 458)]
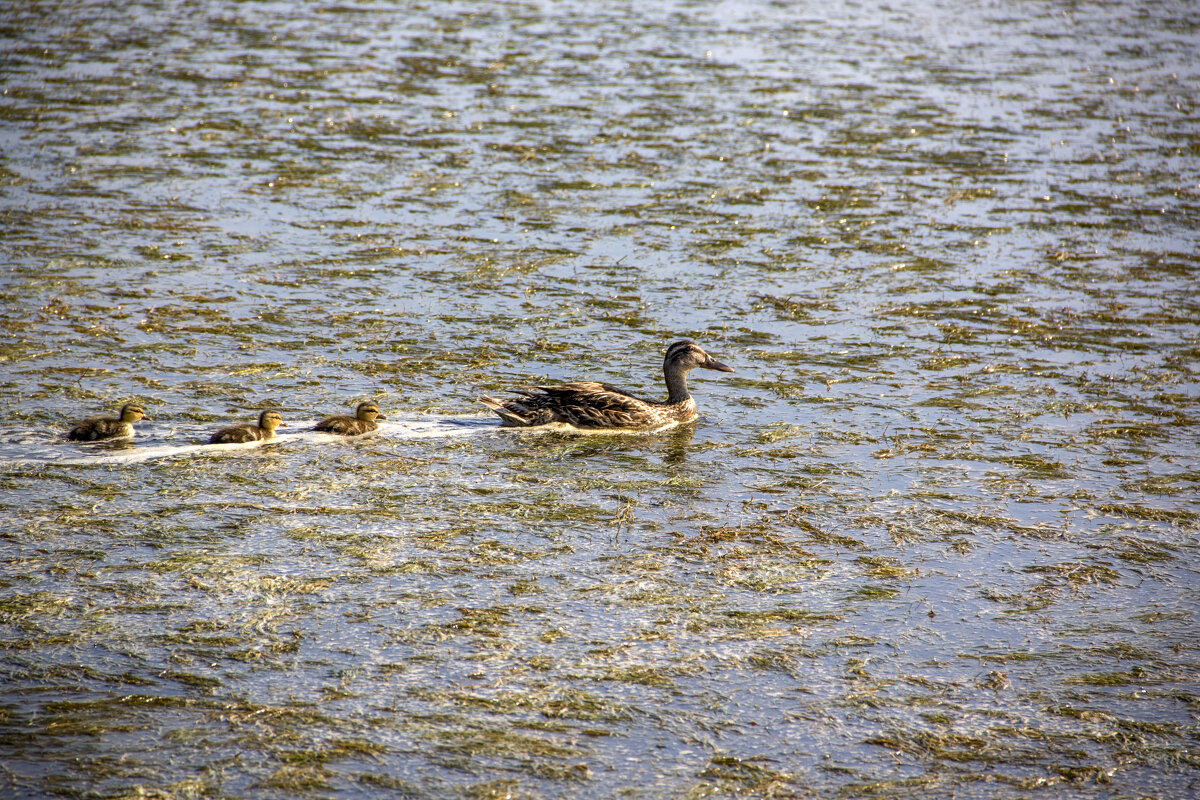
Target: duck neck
[(677, 391)]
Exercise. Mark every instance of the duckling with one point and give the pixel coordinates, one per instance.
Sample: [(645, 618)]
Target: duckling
[(590, 406), (107, 427), (268, 421), (362, 422)]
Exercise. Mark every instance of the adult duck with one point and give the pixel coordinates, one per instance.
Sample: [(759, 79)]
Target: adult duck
[(362, 422), (268, 421), (106, 426), (596, 406)]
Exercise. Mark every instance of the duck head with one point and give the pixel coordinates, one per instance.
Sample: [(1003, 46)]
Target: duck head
[(686, 354)]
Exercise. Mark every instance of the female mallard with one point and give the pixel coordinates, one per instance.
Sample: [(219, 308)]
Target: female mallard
[(362, 422), (107, 427), (268, 421), (591, 405)]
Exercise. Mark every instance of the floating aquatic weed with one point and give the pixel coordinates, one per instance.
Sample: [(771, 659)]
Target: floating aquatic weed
[(756, 622), (792, 308), (1141, 551), (1037, 467), (20, 606), (192, 680), (641, 675), (480, 742), (778, 431), (884, 567), (947, 746), (499, 789), (873, 593), (1011, 657), (1075, 574), (1138, 511), (300, 778), (1135, 676), (740, 775), (778, 660)]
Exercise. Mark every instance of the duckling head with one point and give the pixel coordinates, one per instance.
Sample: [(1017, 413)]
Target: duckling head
[(132, 412), (270, 420), (368, 411)]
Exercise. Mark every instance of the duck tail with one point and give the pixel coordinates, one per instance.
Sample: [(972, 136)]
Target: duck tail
[(503, 411)]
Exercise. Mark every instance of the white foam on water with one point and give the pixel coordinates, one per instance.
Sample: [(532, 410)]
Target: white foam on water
[(21, 450), (434, 426)]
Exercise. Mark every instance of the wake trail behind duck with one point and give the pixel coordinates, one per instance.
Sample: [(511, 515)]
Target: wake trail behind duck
[(400, 427)]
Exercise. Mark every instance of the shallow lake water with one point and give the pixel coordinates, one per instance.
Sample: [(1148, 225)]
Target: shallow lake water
[(935, 537)]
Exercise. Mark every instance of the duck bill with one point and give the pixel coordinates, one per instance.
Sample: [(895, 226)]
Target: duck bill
[(717, 365), (380, 416)]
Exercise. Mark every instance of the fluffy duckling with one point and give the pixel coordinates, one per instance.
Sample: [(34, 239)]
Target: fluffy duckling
[(268, 421), (362, 422), (106, 426), (591, 406)]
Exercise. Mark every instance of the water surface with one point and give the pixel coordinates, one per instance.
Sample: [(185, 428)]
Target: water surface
[(937, 536)]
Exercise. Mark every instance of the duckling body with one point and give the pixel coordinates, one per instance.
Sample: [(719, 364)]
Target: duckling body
[(106, 426), (268, 421), (596, 406), (362, 422)]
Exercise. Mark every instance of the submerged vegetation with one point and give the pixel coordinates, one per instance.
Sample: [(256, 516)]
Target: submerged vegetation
[(936, 536)]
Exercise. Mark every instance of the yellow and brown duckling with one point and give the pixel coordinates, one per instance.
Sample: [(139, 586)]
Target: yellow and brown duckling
[(268, 421), (362, 422), (106, 426), (595, 406)]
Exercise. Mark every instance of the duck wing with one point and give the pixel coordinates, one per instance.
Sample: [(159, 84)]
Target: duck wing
[(237, 434), (339, 424), (95, 428), (587, 404)]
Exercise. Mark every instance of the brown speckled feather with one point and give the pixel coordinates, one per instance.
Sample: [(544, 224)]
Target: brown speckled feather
[(362, 422), (591, 405), (345, 426), (268, 421), (107, 427), (240, 434), (95, 428)]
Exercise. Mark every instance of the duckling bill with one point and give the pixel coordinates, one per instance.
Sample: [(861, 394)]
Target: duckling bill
[(268, 421), (362, 422), (106, 426), (598, 406)]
